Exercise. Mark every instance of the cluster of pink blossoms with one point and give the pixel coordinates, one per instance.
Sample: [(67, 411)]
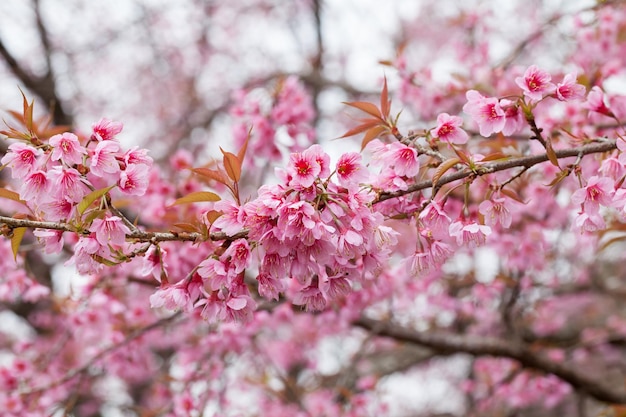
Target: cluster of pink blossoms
[(286, 120), (314, 234), (56, 177)]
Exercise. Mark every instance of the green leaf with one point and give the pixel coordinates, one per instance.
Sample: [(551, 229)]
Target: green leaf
[(16, 239), (91, 197), (197, 197)]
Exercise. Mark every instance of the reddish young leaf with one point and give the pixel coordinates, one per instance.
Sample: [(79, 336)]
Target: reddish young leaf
[(512, 195), (372, 134), (197, 197), (366, 107), (213, 174), (385, 103), (232, 165), (443, 168), (16, 239), (366, 125), (242, 152)]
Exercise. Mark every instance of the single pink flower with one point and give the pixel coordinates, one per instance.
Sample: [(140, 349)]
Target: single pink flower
[(134, 179), (449, 129), (569, 89), (496, 210), (598, 191), (67, 148), (350, 170), (596, 102), (110, 230), (404, 159), (103, 159), (67, 184), (105, 129), (35, 187), (303, 168), (486, 112), (535, 83), (21, 159), (471, 234)]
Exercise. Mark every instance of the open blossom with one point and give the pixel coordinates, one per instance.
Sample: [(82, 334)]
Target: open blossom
[(598, 191), (35, 186), (486, 112), (569, 89), (67, 184), (535, 83), (103, 160), (134, 179), (513, 117), (105, 129), (404, 159), (21, 159), (449, 129), (496, 210), (350, 170), (67, 148), (472, 234), (596, 102), (303, 168), (110, 231)]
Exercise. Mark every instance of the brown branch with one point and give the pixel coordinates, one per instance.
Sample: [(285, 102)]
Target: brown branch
[(489, 168), (136, 235), (77, 371), (447, 344)]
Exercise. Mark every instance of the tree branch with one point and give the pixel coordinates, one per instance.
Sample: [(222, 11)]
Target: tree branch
[(447, 343), (490, 168)]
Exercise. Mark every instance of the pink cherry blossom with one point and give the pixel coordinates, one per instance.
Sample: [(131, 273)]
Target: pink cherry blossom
[(67, 148), (134, 179), (110, 230), (596, 102), (349, 169), (449, 129), (22, 159), (103, 160), (535, 83), (496, 211), (598, 191), (67, 183), (35, 187), (105, 129), (569, 89), (403, 158), (486, 112), (472, 234), (303, 168)]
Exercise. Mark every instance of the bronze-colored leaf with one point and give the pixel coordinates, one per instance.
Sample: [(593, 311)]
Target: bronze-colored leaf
[(198, 197), (443, 168), (366, 107), (372, 134)]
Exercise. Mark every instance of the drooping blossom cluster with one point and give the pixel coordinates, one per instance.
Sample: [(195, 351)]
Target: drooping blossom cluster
[(277, 123), (315, 236), (58, 175)]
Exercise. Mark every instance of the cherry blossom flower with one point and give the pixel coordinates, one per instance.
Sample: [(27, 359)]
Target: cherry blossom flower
[(21, 158), (35, 187), (233, 218), (449, 129), (472, 234), (349, 169), (134, 179), (535, 83), (598, 191), (596, 102), (303, 168), (569, 89), (105, 129), (486, 112), (435, 220), (67, 148), (67, 184), (110, 230), (103, 160), (497, 210)]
